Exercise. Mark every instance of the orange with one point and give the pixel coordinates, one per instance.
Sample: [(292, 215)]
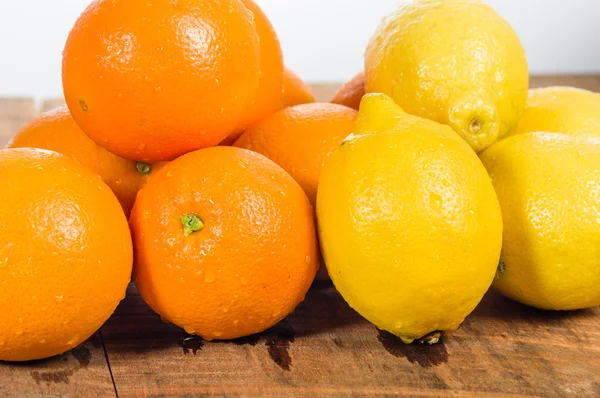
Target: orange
[(352, 92), (65, 254), (57, 131), (269, 95), (295, 91), (225, 243), (152, 80), (300, 139)]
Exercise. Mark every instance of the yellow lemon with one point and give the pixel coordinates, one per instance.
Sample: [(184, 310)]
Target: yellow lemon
[(409, 222), (456, 62), (548, 185), (565, 110)]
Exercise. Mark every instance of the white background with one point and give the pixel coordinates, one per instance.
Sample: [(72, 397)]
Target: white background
[(323, 40)]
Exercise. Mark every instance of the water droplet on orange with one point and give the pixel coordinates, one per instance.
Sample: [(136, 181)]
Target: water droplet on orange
[(210, 276), (189, 330)]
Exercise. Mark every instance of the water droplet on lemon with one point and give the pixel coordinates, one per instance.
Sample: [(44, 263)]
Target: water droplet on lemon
[(435, 201)]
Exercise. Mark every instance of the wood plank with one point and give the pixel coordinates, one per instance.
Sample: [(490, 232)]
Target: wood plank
[(325, 348), (51, 103), (82, 372), (14, 114)]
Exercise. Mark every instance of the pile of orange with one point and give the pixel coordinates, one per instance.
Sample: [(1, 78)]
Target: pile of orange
[(155, 92)]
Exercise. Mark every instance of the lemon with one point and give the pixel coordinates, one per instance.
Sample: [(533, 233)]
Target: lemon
[(456, 62), (409, 222), (565, 110), (548, 185)]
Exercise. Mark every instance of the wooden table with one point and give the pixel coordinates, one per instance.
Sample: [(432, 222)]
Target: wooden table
[(326, 349)]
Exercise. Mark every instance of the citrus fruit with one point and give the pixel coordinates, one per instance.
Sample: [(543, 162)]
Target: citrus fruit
[(152, 80), (410, 226), (548, 187), (295, 91), (269, 96), (57, 131), (456, 62), (65, 254), (225, 243), (351, 93), (300, 139), (565, 110)]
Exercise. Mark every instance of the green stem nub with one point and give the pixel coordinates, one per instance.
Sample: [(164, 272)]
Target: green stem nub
[(191, 223), (143, 168)]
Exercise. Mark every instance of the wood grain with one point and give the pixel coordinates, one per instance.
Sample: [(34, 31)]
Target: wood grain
[(326, 349), (14, 113), (82, 372)]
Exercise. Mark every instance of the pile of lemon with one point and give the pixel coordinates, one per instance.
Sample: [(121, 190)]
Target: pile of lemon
[(455, 178)]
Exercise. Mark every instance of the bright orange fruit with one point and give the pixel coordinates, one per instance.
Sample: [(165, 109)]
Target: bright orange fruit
[(225, 243), (65, 254), (352, 92), (152, 80), (57, 131), (269, 96), (300, 139), (295, 91)]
